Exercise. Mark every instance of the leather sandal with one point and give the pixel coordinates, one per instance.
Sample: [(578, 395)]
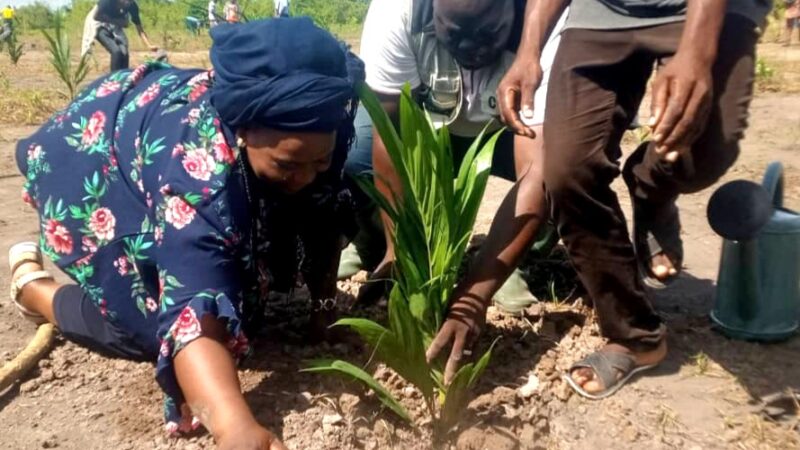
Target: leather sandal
[(19, 254)]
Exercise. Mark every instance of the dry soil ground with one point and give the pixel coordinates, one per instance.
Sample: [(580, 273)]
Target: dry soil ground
[(710, 393)]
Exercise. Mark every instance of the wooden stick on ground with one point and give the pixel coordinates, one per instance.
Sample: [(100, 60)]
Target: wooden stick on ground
[(37, 348)]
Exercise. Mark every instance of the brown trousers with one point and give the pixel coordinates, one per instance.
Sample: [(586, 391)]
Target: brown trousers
[(596, 85)]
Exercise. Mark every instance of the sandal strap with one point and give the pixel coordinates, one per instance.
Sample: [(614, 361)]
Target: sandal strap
[(24, 252), (607, 366), (20, 282)]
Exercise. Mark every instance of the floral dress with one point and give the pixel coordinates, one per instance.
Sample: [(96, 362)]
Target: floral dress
[(144, 203)]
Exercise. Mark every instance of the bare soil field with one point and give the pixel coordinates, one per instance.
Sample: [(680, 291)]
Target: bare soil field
[(711, 393)]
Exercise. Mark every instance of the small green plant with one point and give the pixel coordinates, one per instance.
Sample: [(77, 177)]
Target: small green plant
[(701, 362), (433, 220), (13, 48), (61, 59), (764, 71)]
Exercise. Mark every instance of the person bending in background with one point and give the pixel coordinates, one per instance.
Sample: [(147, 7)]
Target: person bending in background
[(453, 53), (112, 17), (186, 197)]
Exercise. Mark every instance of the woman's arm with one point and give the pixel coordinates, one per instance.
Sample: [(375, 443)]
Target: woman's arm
[(207, 376)]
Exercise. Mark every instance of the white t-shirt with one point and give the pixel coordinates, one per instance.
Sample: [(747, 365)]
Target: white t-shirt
[(390, 63)]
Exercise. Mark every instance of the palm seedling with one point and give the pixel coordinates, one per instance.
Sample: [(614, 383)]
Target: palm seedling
[(61, 60), (14, 50), (433, 219)]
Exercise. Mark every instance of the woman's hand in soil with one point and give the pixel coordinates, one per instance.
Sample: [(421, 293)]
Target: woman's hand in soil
[(463, 326), (250, 437)]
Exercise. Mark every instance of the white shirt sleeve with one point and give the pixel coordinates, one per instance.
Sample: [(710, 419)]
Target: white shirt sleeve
[(386, 50)]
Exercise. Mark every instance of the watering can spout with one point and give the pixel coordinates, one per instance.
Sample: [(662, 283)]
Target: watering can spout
[(758, 287)]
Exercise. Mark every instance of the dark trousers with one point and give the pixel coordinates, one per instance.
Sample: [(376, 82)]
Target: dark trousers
[(113, 39), (597, 82), (81, 322)]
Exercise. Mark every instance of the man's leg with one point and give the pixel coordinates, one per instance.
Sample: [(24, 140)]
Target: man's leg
[(106, 38), (596, 85), (656, 182)]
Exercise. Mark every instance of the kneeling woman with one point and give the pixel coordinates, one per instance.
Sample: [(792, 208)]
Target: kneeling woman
[(176, 198)]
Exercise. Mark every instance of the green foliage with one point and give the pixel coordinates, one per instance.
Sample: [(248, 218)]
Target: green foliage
[(433, 220), (36, 16), (14, 49), (764, 71), (61, 60), (327, 13)]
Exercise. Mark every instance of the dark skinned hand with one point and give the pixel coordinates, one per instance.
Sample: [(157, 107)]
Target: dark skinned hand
[(682, 94), (515, 94), (464, 323)]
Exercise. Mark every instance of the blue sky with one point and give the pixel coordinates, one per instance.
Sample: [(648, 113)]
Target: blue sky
[(52, 3)]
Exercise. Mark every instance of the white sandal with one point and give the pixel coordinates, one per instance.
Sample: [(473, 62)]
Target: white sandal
[(18, 254)]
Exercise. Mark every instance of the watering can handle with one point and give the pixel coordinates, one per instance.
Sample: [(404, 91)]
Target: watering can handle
[(773, 183)]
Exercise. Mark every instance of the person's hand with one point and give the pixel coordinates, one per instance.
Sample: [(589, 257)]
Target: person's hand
[(515, 94), (682, 94), (250, 437), (463, 326)]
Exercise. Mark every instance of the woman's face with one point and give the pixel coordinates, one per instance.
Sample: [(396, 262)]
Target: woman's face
[(288, 160)]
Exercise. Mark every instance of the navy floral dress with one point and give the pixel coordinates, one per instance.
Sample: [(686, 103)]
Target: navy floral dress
[(145, 202)]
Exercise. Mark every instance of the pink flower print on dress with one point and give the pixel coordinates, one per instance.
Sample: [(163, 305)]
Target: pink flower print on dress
[(199, 164), (26, 197), (94, 129), (58, 237), (186, 328), (122, 265), (88, 244), (34, 152), (193, 117), (178, 213), (148, 95), (222, 151), (197, 91), (108, 88), (151, 304), (102, 223)]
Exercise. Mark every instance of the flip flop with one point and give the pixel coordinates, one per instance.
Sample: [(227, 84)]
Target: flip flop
[(19, 254), (606, 366), (656, 233)]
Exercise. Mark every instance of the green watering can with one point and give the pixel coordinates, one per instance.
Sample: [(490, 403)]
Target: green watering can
[(758, 287)]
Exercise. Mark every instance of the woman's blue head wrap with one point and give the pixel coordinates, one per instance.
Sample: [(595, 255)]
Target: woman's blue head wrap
[(283, 73)]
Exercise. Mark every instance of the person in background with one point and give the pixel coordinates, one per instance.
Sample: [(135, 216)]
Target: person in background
[(212, 14), (704, 51), (178, 200), (281, 8), (6, 24), (453, 53), (791, 21), (231, 11), (111, 17)]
